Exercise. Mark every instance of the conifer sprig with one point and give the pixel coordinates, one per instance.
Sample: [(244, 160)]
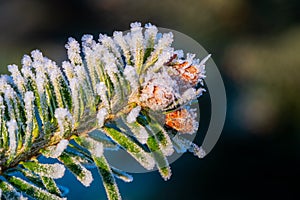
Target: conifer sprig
[(73, 113)]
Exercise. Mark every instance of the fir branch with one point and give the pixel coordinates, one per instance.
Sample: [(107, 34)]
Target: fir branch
[(73, 113)]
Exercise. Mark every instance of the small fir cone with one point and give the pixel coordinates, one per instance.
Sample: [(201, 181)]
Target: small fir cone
[(187, 71), (158, 96), (182, 121)]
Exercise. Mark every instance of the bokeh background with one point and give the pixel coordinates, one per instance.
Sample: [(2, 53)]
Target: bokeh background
[(255, 44)]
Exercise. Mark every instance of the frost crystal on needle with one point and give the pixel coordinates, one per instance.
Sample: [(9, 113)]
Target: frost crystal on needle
[(56, 151), (12, 130), (131, 117), (73, 48), (132, 77), (101, 116), (51, 170), (96, 148), (64, 120)]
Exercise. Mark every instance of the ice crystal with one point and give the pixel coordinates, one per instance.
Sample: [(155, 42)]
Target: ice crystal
[(64, 120), (198, 151), (12, 130), (47, 170), (102, 92), (102, 114), (56, 151), (23, 198), (73, 48), (17, 77), (26, 61), (95, 147), (131, 117), (86, 177), (132, 77), (139, 132)]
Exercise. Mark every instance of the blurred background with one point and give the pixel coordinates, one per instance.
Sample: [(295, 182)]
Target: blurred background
[(255, 44)]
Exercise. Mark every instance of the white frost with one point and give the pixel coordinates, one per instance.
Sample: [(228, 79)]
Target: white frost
[(131, 117), (56, 151), (101, 91), (198, 151), (64, 119), (150, 34), (96, 148), (26, 61), (74, 86), (101, 116), (56, 170), (29, 108), (12, 129), (37, 56), (87, 177), (73, 48), (23, 198), (17, 77), (132, 77), (68, 69), (87, 41), (189, 95)]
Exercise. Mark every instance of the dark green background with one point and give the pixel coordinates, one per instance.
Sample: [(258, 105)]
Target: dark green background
[(255, 44)]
